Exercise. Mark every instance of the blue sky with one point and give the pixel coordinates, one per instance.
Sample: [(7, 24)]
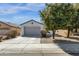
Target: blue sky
[(20, 12)]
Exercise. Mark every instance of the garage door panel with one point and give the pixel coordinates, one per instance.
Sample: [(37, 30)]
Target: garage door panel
[(32, 31), (32, 35)]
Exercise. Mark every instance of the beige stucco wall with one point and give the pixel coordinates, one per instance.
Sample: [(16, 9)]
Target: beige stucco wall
[(10, 28), (2, 25)]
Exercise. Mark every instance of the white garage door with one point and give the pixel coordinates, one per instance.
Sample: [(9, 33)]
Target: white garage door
[(32, 31)]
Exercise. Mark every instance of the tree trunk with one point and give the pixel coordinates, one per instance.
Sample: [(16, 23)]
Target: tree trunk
[(76, 29), (68, 34), (53, 34)]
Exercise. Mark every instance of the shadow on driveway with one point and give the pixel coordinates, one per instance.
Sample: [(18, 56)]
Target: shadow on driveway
[(69, 47), (74, 38)]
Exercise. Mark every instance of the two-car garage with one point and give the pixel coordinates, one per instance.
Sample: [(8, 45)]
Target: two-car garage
[(31, 28)]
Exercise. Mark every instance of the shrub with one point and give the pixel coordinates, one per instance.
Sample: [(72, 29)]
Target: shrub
[(1, 39), (12, 34), (43, 33)]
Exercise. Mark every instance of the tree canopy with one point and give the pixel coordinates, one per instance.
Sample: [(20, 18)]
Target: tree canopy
[(60, 16)]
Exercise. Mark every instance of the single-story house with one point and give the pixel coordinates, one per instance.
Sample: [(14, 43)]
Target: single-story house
[(31, 28), (6, 27)]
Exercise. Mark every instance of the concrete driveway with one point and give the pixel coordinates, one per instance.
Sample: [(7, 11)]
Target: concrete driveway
[(27, 46)]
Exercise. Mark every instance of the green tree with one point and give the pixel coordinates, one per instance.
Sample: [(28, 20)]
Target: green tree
[(68, 16), (76, 21), (50, 16), (56, 16)]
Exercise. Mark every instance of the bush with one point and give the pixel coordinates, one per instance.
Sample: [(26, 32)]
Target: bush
[(43, 33), (1, 39), (12, 34)]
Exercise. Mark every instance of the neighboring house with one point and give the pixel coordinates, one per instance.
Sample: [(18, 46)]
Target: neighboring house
[(6, 27), (31, 28)]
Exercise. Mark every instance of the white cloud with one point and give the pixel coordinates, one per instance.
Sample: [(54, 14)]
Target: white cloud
[(21, 18), (4, 20), (9, 8), (12, 10)]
